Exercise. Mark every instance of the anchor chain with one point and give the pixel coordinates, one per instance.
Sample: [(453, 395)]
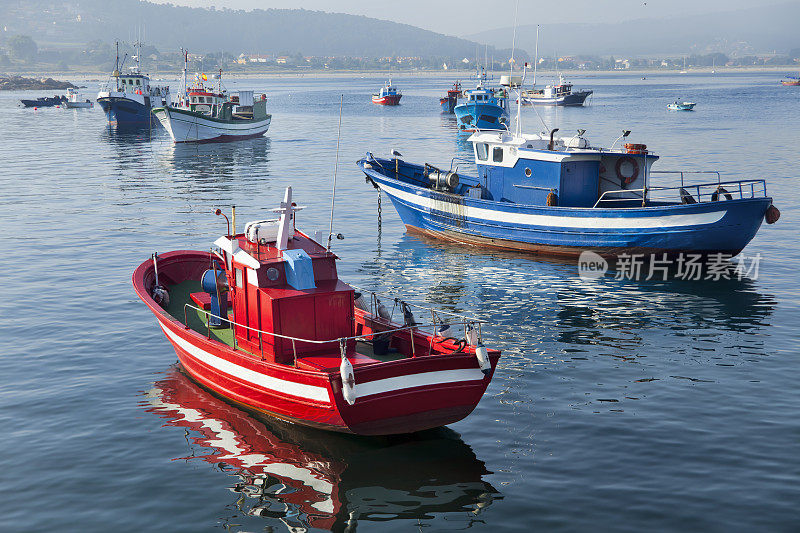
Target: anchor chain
[(379, 213)]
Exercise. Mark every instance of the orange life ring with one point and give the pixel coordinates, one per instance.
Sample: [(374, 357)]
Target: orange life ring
[(627, 180)]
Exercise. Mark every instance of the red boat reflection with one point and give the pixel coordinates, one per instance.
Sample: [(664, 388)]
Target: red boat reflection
[(310, 478)]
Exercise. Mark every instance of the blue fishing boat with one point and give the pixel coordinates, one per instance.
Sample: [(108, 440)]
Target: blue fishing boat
[(128, 99), (486, 108), (560, 196)]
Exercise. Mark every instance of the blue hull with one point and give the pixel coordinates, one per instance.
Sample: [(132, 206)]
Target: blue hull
[(472, 116), (704, 228), (125, 112)]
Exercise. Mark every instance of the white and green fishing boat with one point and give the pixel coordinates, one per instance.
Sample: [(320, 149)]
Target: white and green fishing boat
[(211, 114)]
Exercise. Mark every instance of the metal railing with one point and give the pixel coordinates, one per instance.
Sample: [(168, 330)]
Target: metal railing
[(340, 340), (683, 173), (703, 192)]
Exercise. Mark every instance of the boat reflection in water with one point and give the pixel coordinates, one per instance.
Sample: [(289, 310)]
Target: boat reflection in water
[(307, 478)]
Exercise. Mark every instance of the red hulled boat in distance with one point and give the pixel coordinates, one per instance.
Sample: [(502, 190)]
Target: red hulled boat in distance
[(388, 95), (302, 345)]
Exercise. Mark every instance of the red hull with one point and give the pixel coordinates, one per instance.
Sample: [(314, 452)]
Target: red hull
[(790, 82), (387, 100), (402, 396)]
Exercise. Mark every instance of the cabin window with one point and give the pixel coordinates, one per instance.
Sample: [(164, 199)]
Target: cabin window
[(239, 278), (483, 151), (138, 82), (497, 155)]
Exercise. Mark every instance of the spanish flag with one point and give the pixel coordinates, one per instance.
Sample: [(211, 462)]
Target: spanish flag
[(205, 78)]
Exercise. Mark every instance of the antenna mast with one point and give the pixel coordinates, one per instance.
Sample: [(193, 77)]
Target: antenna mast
[(335, 170), (536, 61)]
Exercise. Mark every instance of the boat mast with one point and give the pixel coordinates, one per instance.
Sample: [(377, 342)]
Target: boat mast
[(184, 91), (536, 61)]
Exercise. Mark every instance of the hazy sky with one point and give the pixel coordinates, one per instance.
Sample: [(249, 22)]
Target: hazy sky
[(463, 17)]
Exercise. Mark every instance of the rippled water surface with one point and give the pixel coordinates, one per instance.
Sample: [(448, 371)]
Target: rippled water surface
[(618, 405)]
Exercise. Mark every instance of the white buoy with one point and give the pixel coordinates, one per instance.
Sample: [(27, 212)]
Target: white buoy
[(483, 358), (348, 381)]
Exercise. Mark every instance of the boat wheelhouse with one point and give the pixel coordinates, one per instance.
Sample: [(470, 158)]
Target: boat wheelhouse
[(560, 196), (302, 345), (388, 95), (75, 100)]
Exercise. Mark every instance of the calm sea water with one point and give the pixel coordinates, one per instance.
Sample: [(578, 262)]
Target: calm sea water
[(618, 405)]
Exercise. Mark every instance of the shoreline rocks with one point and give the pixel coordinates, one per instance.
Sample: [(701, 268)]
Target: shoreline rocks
[(18, 83)]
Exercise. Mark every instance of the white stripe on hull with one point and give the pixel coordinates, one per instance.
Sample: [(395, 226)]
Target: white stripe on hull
[(423, 379), (472, 213), (320, 394), (300, 390), (189, 128)]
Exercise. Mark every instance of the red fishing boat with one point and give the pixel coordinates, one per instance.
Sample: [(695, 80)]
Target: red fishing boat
[(388, 95), (264, 321), (450, 101)]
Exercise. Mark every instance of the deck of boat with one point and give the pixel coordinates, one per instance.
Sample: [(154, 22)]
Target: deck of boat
[(180, 294)]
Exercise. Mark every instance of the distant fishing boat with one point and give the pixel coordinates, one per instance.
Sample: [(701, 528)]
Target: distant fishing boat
[(559, 94), (681, 106), (388, 95), (485, 108), (304, 346), (791, 80), (210, 114), (129, 98), (561, 195), (450, 101), (44, 101), (76, 101)]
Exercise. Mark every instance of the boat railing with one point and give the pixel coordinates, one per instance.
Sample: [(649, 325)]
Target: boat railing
[(435, 328), (703, 192), (684, 173)]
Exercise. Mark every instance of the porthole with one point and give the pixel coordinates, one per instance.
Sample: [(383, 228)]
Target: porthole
[(272, 274), (528, 172)]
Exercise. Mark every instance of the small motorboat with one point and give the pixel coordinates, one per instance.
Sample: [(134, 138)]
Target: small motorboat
[(304, 346), (681, 106), (75, 101), (44, 101), (388, 95), (559, 94), (791, 81), (450, 101)]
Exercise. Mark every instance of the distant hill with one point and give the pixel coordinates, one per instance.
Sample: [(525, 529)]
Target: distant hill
[(283, 31), (754, 30)]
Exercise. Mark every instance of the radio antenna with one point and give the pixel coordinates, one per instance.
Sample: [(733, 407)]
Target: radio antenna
[(335, 170)]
